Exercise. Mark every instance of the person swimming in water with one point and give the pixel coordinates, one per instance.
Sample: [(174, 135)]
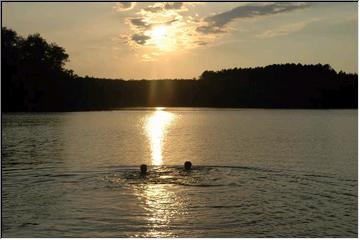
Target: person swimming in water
[(187, 165), (143, 169)]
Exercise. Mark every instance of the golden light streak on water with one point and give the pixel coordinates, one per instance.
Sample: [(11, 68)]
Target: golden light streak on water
[(156, 126), (163, 205)]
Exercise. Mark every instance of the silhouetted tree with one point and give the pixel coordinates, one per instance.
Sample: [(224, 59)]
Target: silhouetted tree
[(34, 78), (33, 72)]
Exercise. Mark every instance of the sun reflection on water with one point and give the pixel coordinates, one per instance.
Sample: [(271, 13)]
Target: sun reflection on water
[(163, 205), (156, 127)]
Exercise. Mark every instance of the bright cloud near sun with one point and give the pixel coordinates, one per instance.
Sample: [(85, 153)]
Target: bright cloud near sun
[(161, 28)]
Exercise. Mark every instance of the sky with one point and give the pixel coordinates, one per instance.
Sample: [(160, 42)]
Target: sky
[(157, 40)]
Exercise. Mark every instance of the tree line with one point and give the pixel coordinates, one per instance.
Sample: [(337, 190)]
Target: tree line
[(34, 78)]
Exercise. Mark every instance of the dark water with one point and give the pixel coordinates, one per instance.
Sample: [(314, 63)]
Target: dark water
[(257, 173)]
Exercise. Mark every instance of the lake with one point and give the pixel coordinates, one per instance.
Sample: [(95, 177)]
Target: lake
[(256, 173)]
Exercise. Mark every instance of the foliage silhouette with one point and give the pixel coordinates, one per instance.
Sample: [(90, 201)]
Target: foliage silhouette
[(34, 79)]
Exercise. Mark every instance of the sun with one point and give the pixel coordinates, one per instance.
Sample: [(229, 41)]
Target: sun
[(163, 37), (158, 33)]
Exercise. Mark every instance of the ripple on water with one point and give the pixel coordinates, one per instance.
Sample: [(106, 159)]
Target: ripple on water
[(221, 201)]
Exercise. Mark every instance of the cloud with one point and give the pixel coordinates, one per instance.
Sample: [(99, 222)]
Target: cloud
[(142, 25), (163, 27), (140, 38), (151, 17), (201, 43), (285, 30), (139, 23), (159, 7), (153, 8), (216, 23), (124, 6), (173, 5)]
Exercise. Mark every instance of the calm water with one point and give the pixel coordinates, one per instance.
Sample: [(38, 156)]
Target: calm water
[(257, 173)]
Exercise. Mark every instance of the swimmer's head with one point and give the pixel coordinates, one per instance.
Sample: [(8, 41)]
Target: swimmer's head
[(187, 165), (143, 168)]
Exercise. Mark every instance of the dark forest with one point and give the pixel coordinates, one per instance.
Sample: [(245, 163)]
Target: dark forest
[(34, 78)]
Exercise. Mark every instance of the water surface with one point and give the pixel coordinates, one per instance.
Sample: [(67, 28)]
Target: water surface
[(257, 173)]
